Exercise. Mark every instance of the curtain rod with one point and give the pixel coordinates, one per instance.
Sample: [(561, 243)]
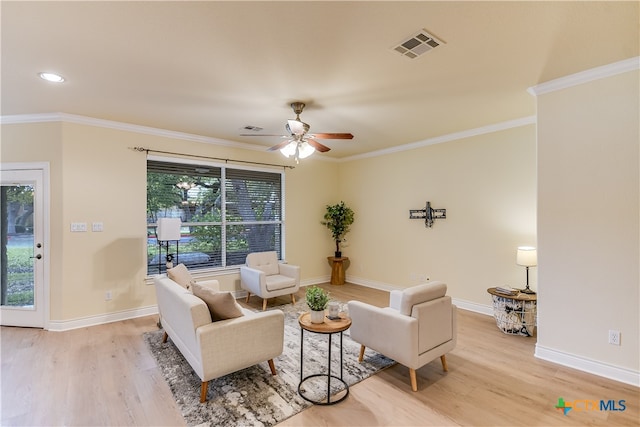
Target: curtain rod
[(148, 150)]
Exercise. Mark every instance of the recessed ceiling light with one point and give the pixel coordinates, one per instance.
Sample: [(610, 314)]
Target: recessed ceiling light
[(51, 77)]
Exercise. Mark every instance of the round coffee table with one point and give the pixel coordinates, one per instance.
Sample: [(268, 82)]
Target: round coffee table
[(329, 327)]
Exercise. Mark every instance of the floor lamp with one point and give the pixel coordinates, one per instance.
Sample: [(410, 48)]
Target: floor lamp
[(527, 256)]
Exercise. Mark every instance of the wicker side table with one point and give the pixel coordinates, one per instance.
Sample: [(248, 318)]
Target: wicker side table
[(515, 314)]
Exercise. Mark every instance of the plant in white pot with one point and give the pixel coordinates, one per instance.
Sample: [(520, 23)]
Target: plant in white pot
[(338, 218), (317, 300)]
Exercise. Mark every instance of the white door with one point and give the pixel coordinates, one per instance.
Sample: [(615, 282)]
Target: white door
[(22, 262)]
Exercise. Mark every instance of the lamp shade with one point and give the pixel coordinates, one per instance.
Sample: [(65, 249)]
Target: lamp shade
[(289, 149), (305, 150), (169, 229), (527, 256)]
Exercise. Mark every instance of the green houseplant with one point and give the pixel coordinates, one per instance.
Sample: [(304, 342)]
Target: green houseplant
[(317, 300), (338, 218)]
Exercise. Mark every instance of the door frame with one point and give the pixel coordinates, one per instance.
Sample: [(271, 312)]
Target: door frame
[(46, 230)]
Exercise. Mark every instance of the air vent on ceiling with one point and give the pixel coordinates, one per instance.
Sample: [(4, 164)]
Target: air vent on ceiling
[(418, 44)]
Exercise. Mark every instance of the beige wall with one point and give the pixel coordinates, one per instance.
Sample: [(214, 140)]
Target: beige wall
[(487, 185), (42, 142), (588, 220), (95, 177)]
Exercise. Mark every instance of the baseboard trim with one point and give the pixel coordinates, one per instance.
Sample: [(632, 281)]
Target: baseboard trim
[(101, 319), (487, 310), (594, 367), (371, 284), (460, 303)]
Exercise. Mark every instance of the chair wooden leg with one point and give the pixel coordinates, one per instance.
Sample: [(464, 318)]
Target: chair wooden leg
[(248, 296), (444, 363), (361, 353), (293, 298), (203, 391), (272, 366), (414, 381), (165, 336), (264, 304)]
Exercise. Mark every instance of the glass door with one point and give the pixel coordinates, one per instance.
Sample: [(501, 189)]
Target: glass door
[(21, 248)]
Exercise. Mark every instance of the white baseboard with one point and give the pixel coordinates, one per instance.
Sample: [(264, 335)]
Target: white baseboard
[(487, 310), (100, 319), (371, 284), (460, 303), (594, 367)]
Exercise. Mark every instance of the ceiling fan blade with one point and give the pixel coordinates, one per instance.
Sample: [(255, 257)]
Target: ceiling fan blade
[(279, 146), (315, 144), (333, 135)]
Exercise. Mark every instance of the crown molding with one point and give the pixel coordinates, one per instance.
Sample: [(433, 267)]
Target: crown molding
[(127, 127), (524, 121), (586, 76)]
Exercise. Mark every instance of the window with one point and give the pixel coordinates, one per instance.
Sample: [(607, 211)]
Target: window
[(226, 212)]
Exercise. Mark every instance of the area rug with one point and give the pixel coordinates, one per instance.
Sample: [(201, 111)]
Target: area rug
[(252, 396)]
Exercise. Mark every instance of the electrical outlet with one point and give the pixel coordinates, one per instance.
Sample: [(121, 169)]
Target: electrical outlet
[(107, 296), (614, 337)]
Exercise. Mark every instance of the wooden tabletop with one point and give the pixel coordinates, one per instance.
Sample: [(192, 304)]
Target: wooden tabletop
[(519, 296), (328, 327)]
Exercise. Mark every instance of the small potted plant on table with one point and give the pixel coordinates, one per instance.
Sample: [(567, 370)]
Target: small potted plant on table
[(317, 300)]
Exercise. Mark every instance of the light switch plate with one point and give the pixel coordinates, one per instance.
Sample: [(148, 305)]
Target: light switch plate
[(97, 226), (77, 227)]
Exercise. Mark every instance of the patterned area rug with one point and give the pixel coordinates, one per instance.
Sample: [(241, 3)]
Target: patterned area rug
[(252, 396)]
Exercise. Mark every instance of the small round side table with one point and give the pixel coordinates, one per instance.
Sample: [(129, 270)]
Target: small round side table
[(329, 327)]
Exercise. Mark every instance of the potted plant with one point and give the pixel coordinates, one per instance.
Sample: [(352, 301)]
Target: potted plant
[(317, 300), (338, 218)]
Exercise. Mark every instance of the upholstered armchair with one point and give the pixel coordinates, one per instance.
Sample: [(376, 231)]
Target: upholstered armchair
[(264, 276), (418, 326)]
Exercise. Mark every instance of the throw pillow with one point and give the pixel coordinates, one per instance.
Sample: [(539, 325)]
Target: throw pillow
[(181, 276), (222, 305)]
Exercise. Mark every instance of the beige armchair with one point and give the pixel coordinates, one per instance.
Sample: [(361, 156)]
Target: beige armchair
[(418, 326), (264, 276)]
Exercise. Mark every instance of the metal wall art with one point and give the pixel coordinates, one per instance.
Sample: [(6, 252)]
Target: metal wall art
[(428, 214)]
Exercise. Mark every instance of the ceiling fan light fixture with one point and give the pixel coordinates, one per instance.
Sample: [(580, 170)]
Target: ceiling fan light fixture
[(297, 149), (296, 127), (305, 150), (289, 149)]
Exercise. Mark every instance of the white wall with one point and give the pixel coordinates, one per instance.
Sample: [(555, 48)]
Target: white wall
[(588, 225)]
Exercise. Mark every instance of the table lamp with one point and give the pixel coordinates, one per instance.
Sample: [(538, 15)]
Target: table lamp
[(527, 256), (168, 230)]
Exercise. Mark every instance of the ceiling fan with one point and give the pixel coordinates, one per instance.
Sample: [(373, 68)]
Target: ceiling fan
[(300, 143)]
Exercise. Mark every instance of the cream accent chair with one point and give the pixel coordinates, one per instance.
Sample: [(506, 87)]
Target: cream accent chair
[(264, 276), (214, 349), (418, 326)]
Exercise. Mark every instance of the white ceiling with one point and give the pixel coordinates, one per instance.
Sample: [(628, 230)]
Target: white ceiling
[(210, 68)]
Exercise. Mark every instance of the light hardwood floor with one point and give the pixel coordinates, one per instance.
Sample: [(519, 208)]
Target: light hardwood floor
[(105, 375)]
